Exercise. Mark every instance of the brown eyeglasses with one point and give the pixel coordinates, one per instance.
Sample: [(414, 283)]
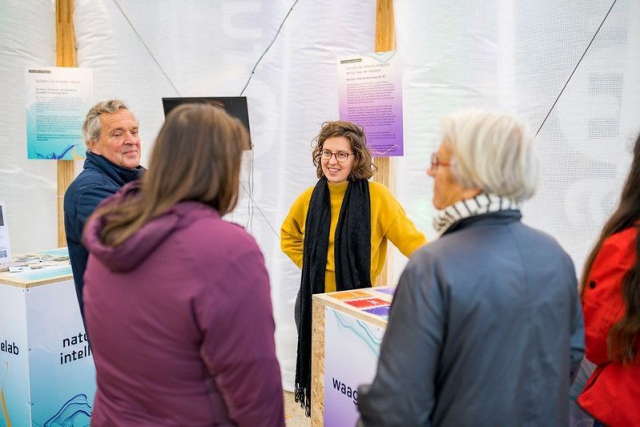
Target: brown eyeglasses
[(435, 164), (341, 156)]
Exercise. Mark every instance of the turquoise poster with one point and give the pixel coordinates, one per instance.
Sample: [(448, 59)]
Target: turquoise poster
[(58, 98)]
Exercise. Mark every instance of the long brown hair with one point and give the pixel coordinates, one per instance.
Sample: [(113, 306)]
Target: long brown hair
[(623, 336), (196, 157), (363, 167)]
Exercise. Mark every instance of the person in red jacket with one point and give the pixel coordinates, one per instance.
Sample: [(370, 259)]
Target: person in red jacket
[(611, 304)]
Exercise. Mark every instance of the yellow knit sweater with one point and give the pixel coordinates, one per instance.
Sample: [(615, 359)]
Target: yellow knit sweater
[(388, 222)]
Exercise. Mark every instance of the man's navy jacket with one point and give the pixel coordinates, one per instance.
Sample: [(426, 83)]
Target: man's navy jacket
[(99, 180)]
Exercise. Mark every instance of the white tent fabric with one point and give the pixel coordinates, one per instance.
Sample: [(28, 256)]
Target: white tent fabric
[(500, 55), (27, 38)]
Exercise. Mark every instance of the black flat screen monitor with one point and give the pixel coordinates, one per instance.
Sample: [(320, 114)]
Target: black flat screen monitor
[(236, 106)]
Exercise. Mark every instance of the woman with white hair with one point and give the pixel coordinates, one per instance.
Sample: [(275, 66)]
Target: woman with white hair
[(486, 325)]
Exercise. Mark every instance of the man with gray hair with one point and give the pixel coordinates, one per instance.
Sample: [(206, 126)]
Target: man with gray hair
[(113, 159)]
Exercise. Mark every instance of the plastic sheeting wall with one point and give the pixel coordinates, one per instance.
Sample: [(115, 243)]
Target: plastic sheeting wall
[(503, 54), (517, 56), (29, 188)]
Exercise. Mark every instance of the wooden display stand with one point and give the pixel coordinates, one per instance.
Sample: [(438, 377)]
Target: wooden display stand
[(345, 346), (47, 376)]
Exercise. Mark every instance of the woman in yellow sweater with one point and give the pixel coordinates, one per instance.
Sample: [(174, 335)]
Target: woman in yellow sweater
[(337, 231)]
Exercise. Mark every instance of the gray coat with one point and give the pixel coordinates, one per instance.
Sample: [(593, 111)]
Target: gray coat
[(485, 329)]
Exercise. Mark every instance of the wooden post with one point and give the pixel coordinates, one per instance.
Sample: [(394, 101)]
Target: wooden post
[(65, 57), (385, 41), (317, 363)]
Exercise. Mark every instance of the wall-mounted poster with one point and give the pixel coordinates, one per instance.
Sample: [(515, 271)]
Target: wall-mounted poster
[(370, 95), (58, 99)]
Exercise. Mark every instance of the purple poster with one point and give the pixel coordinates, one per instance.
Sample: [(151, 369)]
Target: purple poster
[(370, 95)]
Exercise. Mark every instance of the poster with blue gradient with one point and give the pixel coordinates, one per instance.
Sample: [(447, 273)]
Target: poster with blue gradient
[(58, 99), (61, 369), (15, 407), (352, 347), (370, 95)]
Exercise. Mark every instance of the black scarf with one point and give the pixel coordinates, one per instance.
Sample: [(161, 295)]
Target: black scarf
[(352, 260)]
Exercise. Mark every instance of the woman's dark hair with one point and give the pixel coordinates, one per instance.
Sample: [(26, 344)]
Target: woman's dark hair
[(363, 167), (623, 336), (196, 157)]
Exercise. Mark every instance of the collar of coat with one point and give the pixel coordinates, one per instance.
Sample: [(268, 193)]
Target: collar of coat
[(118, 174), (481, 204)]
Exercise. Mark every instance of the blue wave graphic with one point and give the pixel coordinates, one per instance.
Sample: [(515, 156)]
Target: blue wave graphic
[(361, 331), (73, 413), (54, 155)]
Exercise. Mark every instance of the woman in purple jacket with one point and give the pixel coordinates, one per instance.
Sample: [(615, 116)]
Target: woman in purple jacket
[(177, 300)]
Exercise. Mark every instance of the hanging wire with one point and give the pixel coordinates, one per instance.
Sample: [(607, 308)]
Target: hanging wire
[(250, 208), (252, 203), (268, 47), (262, 213), (576, 67), (146, 47)]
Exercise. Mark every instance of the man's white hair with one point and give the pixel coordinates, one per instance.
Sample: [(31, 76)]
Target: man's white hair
[(91, 125), (491, 151)]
